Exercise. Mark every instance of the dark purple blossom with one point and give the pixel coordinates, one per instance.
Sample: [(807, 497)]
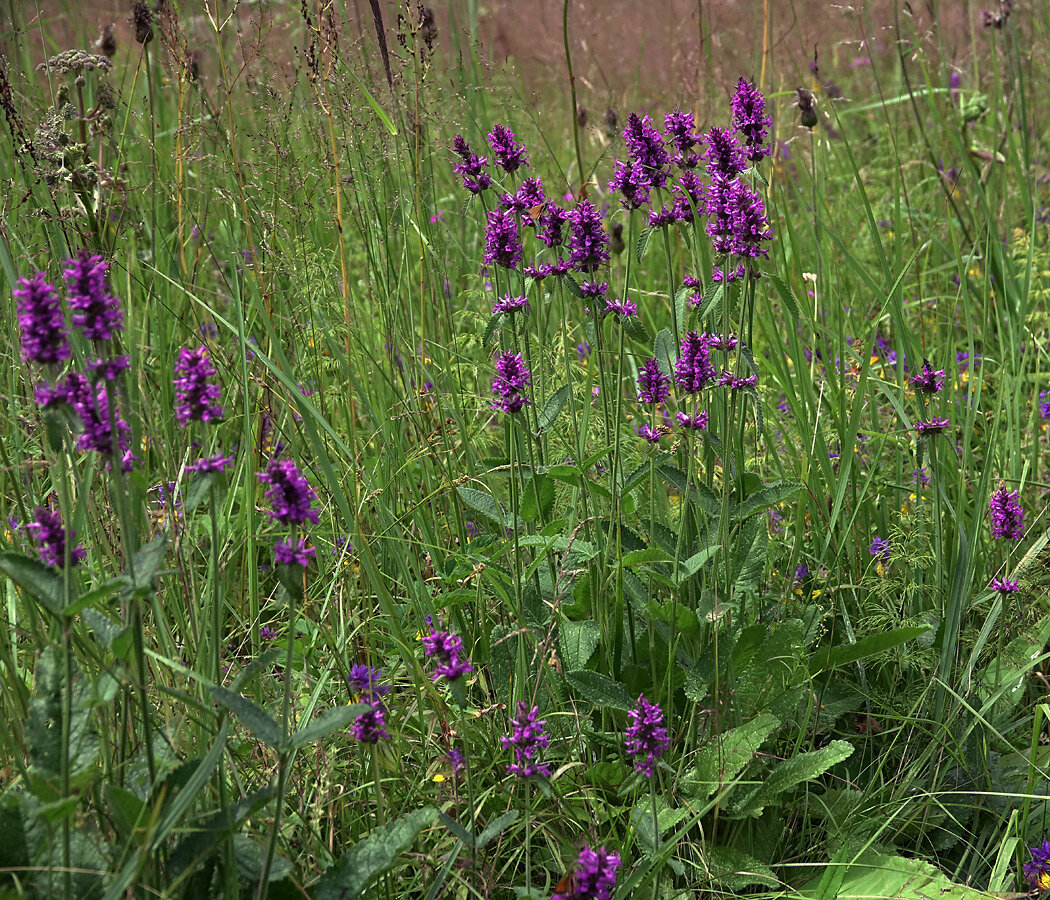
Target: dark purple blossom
[(680, 127), (290, 494), (588, 242), (528, 196), (880, 547), (737, 382), (92, 405), (108, 369), (456, 760), (509, 305), (648, 433), (526, 739), (96, 310), (723, 342), (511, 379), (216, 463), (646, 147), (751, 121), (502, 241), (594, 877), (446, 649), (720, 208), (653, 385), (929, 381), (695, 422), (646, 737), (726, 275), (472, 167), (934, 426), (51, 537), (801, 573), (662, 217), (196, 395), (44, 337), (267, 634), (750, 227), (689, 196), (369, 727), (593, 289), (622, 307), (293, 552), (1005, 586), (694, 370), (1037, 870), (1007, 514), (549, 224), (508, 155), (630, 180), (724, 156)]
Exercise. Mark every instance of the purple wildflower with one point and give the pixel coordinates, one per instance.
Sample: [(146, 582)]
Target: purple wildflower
[(509, 305), (195, 394), (297, 553), (511, 378), (622, 307), (526, 739), (646, 147), (108, 369), (216, 463), (44, 337), (472, 168), (508, 155), (646, 737), (662, 217), (588, 242), (720, 208), (368, 728), (549, 224), (880, 547), (929, 381), (695, 422), (446, 649), (751, 121), (92, 406), (594, 877), (653, 385), (96, 310), (750, 227), (456, 760), (48, 532), (724, 157), (648, 433), (679, 127), (934, 426), (694, 371), (737, 382), (1005, 586), (690, 197), (528, 196), (723, 342), (726, 275), (801, 573), (1037, 871), (502, 242), (290, 493), (630, 179), (594, 289), (1007, 514), (267, 634)]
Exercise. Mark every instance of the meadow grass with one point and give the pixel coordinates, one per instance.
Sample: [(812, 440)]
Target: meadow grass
[(480, 634)]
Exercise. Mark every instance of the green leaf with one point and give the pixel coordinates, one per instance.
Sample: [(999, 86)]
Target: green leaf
[(256, 719), (695, 563), (665, 351), (799, 768), (600, 689), (369, 858), (681, 306), (551, 410), (578, 640), (643, 243), (39, 581), (833, 657), (486, 505), (572, 286), (642, 819), (788, 298), (733, 869), (712, 295), (147, 561), (327, 722), (494, 327), (768, 496), (103, 592), (496, 827), (543, 486), (875, 874), (197, 490), (721, 760)]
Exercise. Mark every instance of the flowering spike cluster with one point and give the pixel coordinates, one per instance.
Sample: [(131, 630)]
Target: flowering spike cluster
[(696, 422), (549, 225), (44, 337), (502, 241), (1005, 586), (653, 385), (96, 310), (446, 649), (1037, 871), (216, 463), (880, 547), (528, 196), (509, 305), (648, 433), (749, 227), (1007, 514), (928, 381), (630, 180), (92, 406), (195, 395), (622, 307), (646, 737), (48, 532), (694, 370), (724, 156), (680, 127), (934, 426), (370, 726), (594, 877), (646, 147), (471, 167), (290, 493), (751, 121), (293, 553), (526, 739), (511, 379), (588, 242), (737, 382), (508, 155)]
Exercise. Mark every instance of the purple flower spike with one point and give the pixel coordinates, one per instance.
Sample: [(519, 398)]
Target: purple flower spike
[(1037, 872), (369, 727), (648, 433), (195, 394), (528, 196), (511, 379), (880, 547), (549, 225), (502, 241), (737, 382), (928, 381), (290, 493), (92, 406), (472, 168), (646, 738), (934, 426), (1005, 586), (679, 128), (750, 227), (217, 463), (594, 877), (588, 242), (630, 180), (510, 305), (653, 385), (694, 370), (96, 310), (751, 121), (526, 739), (298, 553), (44, 337), (48, 532), (508, 154), (724, 157), (696, 422), (624, 308), (646, 147), (1007, 514), (446, 649)]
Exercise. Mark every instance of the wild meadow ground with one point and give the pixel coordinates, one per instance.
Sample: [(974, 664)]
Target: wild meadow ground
[(415, 490)]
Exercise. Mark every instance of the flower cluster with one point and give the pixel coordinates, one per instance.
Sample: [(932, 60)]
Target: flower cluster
[(511, 379), (751, 121), (653, 385), (196, 397), (52, 537), (588, 242), (502, 241), (471, 167), (1007, 514), (526, 739), (1037, 870), (446, 649), (370, 726), (646, 737), (646, 148), (508, 155), (594, 877), (44, 337), (290, 494), (96, 310), (928, 381), (694, 370)]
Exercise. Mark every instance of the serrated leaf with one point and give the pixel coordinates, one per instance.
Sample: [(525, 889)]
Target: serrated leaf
[(788, 298), (600, 689), (327, 722), (537, 497), (39, 581), (552, 409), (256, 719), (712, 295), (147, 560), (695, 563), (643, 243), (735, 870), (832, 657), (799, 768), (882, 875), (681, 306), (369, 858), (720, 761), (494, 327), (487, 505), (642, 819), (665, 351), (572, 287), (578, 640), (496, 827), (770, 495)]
